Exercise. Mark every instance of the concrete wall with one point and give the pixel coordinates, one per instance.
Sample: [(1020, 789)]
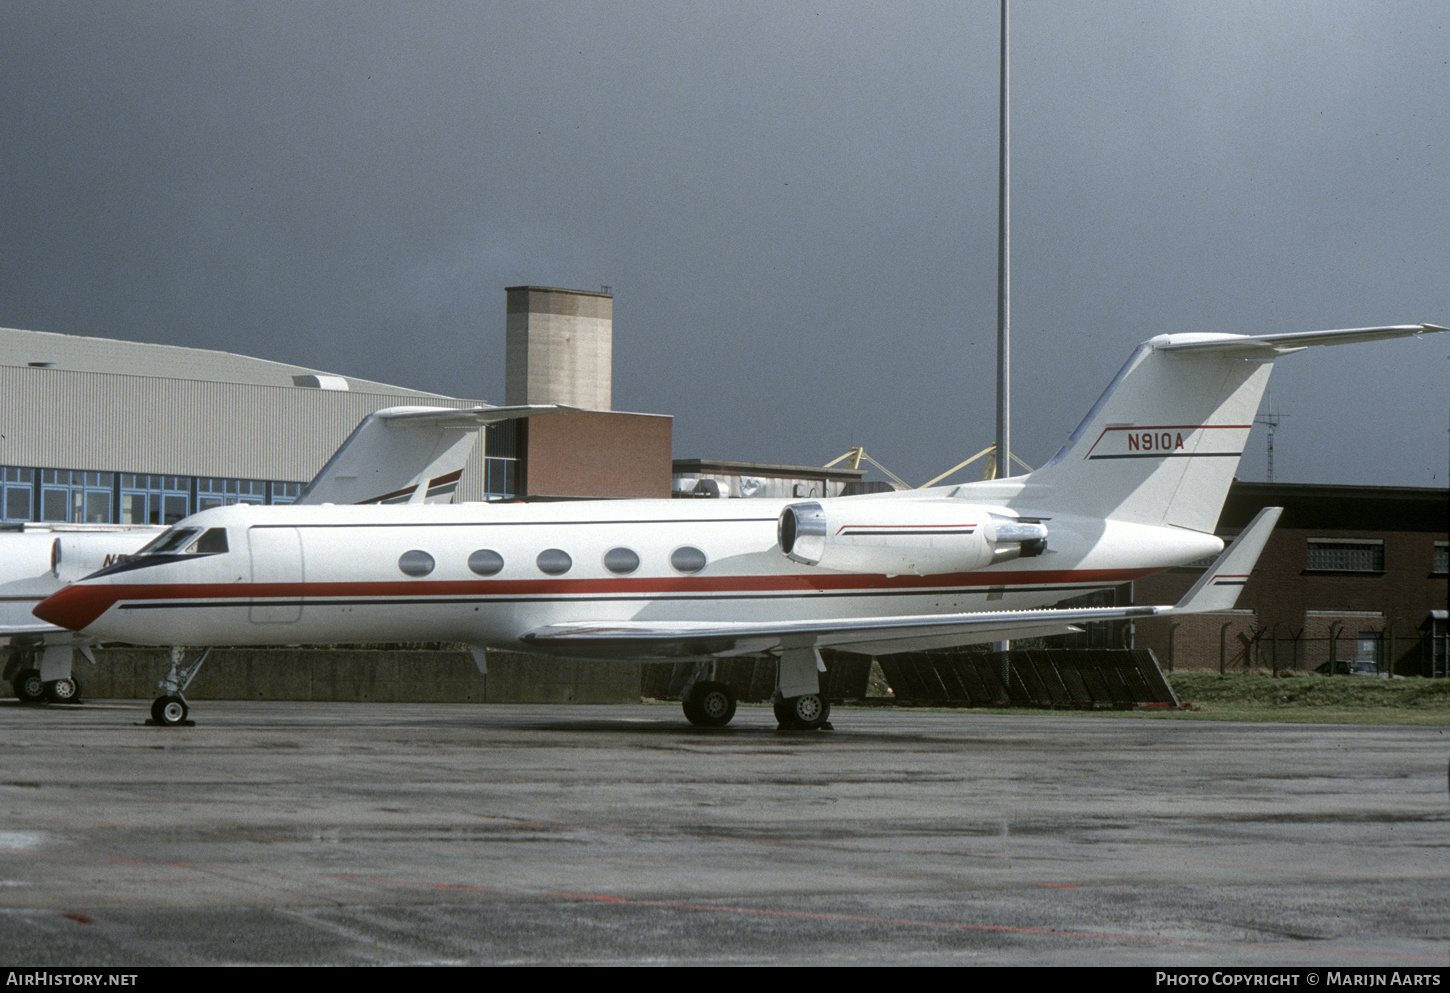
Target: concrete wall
[(559, 347), (396, 676)]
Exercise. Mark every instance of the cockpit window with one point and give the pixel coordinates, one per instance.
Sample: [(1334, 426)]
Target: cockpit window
[(212, 540), (169, 541), (184, 541)]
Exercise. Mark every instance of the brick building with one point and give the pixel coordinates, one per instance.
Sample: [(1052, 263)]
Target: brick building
[(1353, 574)]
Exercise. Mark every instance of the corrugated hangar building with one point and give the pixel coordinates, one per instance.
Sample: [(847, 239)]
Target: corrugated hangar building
[(104, 431), (99, 431)]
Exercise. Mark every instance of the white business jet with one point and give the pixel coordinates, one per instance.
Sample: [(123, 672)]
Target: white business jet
[(396, 455), (1137, 489)]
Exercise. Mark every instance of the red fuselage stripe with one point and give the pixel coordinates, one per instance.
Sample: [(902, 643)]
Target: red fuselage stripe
[(78, 605)]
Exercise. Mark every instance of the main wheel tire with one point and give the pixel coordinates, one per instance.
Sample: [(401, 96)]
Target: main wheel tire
[(66, 690), (29, 687), (805, 713), (710, 705), (169, 710)]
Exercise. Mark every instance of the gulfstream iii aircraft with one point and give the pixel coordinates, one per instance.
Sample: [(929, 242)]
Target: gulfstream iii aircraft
[(1137, 489), (395, 455)]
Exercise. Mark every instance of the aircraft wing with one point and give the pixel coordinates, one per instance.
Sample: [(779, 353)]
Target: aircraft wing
[(408, 454), (1216, 590)]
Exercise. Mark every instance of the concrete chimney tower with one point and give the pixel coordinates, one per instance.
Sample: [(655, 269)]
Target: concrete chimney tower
[(559, 347)]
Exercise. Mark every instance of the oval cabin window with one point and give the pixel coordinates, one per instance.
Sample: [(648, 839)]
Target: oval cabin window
[(416, 563), (554, 561), (688, 559), (621, 561), (486, 562)]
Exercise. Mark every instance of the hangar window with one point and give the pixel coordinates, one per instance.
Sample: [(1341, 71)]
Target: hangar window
[(688, 559), (416, 563), (76, 497), (486, 562), (153, 499), (1345, 555), (621, 561), (18, 487), (213, 492), (286, 492), (554, 561)]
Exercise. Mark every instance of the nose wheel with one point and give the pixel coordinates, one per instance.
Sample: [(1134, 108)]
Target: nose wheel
[(169, 711)]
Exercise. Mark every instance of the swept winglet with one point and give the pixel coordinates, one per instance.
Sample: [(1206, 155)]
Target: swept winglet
[(1219, 587)]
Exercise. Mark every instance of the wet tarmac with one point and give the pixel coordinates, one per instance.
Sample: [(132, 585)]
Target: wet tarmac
[(431, 834)]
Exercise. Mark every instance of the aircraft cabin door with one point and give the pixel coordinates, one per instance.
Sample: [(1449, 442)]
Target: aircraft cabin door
[(276, 575)]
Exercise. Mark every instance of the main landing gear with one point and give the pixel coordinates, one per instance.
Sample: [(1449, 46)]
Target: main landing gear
[(709, 705), (803, 713), (30, 685), (800, 704), (170, 709)]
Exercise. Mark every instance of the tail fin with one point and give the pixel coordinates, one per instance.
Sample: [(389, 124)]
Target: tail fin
[(1163, 442), (407, 454)]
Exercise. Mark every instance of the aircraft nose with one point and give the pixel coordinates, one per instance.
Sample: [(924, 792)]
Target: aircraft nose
[(74, 607)]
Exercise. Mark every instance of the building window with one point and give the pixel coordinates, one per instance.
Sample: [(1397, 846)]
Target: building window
[(1437, 646), (17, 493), (501, 460), (75, 497), (153, 499), (1345, 555), (285, 492), (212, 492), (1440, 564)]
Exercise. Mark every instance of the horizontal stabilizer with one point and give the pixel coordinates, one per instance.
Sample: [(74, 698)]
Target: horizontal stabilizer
[(1270, 345), (1162, 444), (466, 417)]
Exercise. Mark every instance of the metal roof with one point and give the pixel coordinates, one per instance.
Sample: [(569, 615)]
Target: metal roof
[(76, 353)]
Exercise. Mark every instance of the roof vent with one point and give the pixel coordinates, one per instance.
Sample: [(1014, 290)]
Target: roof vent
[(41, 365), (320, 382)]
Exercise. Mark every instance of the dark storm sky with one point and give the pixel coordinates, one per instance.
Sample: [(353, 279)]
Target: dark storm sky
[(795, 203)]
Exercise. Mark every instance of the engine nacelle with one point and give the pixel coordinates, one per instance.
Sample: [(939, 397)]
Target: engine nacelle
[(76, 554), (917, 537)]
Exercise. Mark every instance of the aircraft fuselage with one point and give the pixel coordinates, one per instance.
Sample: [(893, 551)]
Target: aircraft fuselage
[(489, 574)]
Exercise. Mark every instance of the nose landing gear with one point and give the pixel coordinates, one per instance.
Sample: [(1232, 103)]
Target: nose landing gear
[(170, 709)]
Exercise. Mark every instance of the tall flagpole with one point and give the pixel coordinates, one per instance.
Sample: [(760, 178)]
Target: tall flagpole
[(1004, 294), (1004, 275)]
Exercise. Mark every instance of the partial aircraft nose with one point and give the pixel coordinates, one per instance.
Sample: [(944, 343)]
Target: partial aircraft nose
[(76, 606)]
